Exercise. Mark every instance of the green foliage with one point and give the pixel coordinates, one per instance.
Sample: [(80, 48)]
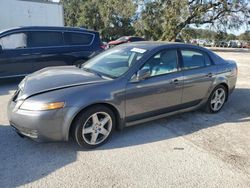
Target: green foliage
[(245, 36), (72, 11), (150, 24), (191, 33), (175, 15), (155, 19), (110, 17)]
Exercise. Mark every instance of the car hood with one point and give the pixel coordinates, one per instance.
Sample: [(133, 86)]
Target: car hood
[(54, 78)]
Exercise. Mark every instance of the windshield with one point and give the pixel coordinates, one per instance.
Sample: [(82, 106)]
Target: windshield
[(115, 62)]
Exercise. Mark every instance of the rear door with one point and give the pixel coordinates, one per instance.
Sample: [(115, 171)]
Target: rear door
[(198, 71), (15, 59), (46, 49)]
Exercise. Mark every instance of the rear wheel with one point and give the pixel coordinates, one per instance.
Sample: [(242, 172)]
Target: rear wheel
[(94, 126), (217, 99)]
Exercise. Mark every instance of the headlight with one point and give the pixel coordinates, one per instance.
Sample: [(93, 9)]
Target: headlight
[(22, 84), (36, 106)]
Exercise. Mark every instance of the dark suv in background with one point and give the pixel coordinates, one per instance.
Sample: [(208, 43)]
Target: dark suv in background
[(27, 49)]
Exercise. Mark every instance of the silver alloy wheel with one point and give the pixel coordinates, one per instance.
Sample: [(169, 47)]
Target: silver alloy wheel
[(97, 128), (218, 99)]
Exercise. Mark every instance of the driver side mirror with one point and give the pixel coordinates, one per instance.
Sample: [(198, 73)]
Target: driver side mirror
[(141, 75)]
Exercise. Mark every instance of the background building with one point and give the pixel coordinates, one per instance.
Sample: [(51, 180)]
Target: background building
[(30, 13)]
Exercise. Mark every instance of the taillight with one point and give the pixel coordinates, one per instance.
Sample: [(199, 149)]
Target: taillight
[(103, 47), (235, 71)]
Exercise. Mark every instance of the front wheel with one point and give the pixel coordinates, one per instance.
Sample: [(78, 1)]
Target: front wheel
[(94, 126), (217, 99)]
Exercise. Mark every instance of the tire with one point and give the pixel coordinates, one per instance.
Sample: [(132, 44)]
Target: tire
[(94, 126), (216, 99)]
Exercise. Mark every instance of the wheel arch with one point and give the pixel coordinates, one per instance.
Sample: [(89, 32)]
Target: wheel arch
[(227, 88), (118, 120)]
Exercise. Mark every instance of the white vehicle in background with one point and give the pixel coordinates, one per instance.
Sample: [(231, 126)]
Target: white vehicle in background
[(239, 44), (202, 42), (232, 44), (15, 13), (235, 44)]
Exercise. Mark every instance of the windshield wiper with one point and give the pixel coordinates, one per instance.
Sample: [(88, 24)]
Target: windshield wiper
[(92, 71)]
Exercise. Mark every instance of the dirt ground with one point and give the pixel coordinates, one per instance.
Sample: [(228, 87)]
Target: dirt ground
[(194, 149)]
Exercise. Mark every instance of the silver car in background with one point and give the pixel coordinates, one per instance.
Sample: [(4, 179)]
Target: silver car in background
[(126, 85)]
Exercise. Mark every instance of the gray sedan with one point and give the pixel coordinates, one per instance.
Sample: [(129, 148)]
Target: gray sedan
[(126, 85)]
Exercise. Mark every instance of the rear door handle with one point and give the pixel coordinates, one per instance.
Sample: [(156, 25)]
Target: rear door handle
[(174, 81)]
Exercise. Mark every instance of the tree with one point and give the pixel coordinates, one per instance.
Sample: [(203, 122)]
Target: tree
[(191, 33), (90, 15), (72, 11), (109, 17), (245, 36), (117, 17), (149, 25), (174, 15), (230, 37)]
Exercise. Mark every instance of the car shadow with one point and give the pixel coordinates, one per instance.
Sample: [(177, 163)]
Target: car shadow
[(24, 161), (8, 85), (235, 110)]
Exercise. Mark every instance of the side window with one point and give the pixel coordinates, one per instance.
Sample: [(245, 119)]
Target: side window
[(77, 38), (192, 59), (134, 39), (14, 41), (162, 63), (45, 38)]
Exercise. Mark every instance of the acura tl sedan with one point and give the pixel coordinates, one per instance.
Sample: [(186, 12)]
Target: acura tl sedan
[(126, 85)]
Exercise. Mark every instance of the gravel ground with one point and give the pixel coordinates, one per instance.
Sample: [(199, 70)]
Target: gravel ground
[(189, 150)]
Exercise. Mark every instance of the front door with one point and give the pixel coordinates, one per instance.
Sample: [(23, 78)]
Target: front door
[(160, 93)]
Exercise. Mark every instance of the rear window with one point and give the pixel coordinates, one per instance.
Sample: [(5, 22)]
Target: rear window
[(45, 38), (78, 38)]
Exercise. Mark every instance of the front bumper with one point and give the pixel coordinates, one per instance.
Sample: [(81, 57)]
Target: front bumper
[(38, 125)]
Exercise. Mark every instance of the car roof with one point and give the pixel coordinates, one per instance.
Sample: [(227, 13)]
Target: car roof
[(150, 45), (38, 28)]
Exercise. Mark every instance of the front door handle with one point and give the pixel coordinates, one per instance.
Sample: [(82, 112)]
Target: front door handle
[(174, 81), (209, 75), (26, 54), (38, 53)]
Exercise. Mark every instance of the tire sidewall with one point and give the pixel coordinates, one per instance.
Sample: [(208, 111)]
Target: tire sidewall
[(208, 106)]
